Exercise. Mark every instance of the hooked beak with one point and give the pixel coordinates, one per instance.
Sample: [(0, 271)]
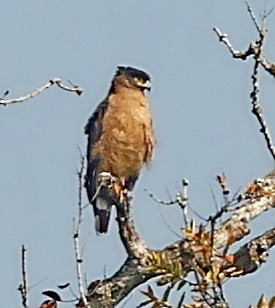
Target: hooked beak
[(147, 85)]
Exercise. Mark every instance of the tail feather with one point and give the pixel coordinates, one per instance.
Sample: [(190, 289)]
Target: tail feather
[(102, 211), (102, 221)]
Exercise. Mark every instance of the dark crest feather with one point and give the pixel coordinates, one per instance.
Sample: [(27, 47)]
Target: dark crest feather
[(132, 72)]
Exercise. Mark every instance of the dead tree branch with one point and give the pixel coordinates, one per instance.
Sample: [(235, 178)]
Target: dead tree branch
[(49, 84), (76, 237), (133, 244), (143, 263), (255, 49), (23, 287), (251, 255), (261, 198)]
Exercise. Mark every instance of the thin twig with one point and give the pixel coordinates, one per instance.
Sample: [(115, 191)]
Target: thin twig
[(257, 110), (80, 186), (214, 199), (156, 199), (266, 13), (237, 54), (243, 55), (256, 50), (253, 17), (50, 83), (181, 198), (168, 225), (23, 287), (76, 237)]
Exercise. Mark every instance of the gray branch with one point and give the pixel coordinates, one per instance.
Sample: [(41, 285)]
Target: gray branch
[(136, 268), (250, 256), (49, 84), (255, 49)]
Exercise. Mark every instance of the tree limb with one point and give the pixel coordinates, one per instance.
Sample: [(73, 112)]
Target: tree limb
[(23, 287), (50, 83), (139, 266), (255, 49), (251, 255)]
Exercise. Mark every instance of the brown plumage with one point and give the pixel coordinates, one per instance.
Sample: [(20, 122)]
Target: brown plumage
[(120, 142)]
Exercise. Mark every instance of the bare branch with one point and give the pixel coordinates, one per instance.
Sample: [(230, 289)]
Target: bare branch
[(199, 251), (237, 54), (243, 55), (76, 237), (136, 268), (266, 13), (50, 83), (257, 110), (133, 244), (253, 17), (181, 199), (250, 256), (261, 199), (269, 67), (23, 287), (255, 49)]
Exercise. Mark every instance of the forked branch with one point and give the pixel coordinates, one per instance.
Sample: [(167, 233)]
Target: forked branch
[(255, 50), (55, 81)]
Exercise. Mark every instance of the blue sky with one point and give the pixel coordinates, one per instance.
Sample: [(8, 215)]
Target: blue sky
[(201, 109)]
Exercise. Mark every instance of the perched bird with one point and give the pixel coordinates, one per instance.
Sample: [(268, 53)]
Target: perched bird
[(120, 142)]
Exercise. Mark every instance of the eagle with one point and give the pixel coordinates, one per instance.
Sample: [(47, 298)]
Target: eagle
[(120, 141)]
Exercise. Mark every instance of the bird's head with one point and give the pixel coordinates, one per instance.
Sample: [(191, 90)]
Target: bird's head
[(132, 78)]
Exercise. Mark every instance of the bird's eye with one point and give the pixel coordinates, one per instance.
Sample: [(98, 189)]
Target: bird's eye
[(142, 83), (138, 80)]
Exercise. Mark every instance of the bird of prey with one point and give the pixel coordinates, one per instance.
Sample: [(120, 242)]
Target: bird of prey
[(120, 142)]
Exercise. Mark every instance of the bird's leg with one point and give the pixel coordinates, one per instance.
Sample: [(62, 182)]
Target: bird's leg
[(106, 179), (119, 190)]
